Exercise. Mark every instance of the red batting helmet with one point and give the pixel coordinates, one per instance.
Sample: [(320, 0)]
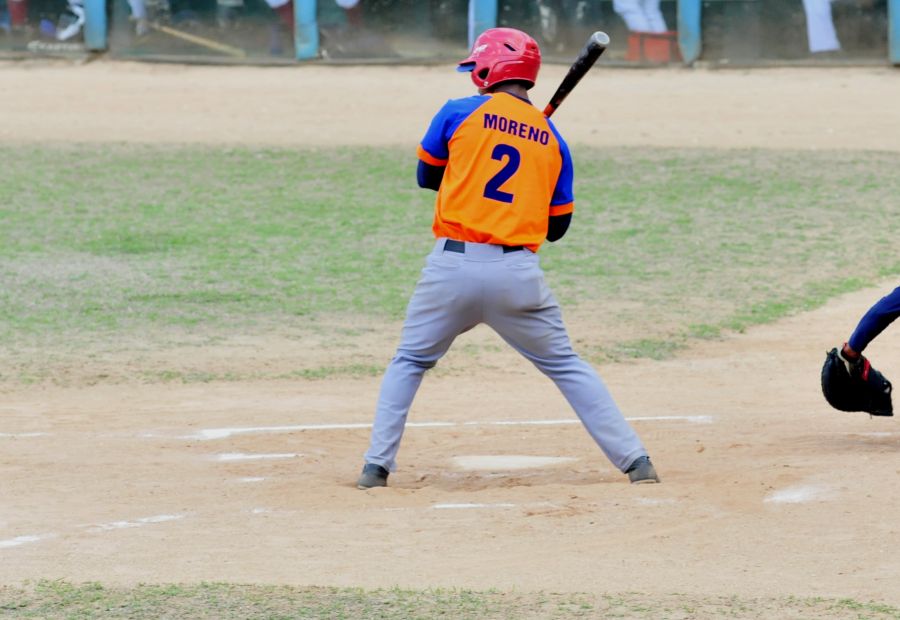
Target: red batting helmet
[(501, 55)]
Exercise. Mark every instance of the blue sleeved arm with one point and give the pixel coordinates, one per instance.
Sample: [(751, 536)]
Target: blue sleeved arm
[(433, 148), (563, 193), (875, 320)]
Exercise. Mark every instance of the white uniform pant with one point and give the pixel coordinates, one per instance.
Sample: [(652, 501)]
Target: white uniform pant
[(820, 26), (507, 292), (641, 15)]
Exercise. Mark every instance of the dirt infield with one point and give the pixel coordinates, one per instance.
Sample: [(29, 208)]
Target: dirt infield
[(852, 108), (766, 491)]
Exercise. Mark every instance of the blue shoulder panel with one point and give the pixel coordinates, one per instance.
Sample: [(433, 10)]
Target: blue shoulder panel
[(443, 125)]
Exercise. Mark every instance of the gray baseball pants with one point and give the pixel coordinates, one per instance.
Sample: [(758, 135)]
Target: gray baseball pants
[(456, 292)]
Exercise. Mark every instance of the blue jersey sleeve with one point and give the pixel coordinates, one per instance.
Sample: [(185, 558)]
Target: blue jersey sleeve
[(875, 320), (563, 193), (436, 143)]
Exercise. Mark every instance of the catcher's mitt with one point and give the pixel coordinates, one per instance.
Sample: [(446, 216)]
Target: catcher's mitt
[(855, 386)]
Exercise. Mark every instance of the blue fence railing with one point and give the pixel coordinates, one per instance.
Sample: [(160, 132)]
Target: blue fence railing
[(737, 31)]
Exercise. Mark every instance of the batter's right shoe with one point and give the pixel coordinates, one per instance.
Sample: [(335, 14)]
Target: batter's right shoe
[(642, 471), (372, 476)]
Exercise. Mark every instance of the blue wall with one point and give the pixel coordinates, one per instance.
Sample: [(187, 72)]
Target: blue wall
[(306, 31), (690, 37), (95, 25), (482, 16), (894, 31)]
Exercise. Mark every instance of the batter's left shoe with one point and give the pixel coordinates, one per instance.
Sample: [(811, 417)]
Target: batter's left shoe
[(372, 476), (642, 471)]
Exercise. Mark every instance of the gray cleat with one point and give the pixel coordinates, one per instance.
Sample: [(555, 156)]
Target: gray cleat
[(642, 471), (372, 476)]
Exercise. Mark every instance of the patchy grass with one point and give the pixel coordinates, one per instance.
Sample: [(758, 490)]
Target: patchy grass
[(699, 242), (102, 245), (54, 599)]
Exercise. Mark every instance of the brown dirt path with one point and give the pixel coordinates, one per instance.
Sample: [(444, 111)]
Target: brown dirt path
[(852, 108), (760, 433)]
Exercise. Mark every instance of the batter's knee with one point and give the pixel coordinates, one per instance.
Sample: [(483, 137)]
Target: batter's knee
[(425, 363)]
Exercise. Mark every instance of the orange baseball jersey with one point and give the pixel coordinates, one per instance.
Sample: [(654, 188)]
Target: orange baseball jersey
[(507, 170)]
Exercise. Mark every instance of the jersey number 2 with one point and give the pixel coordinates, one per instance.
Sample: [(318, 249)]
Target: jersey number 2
[(492, 189)]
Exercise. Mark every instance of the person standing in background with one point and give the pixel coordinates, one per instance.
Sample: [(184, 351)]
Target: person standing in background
[(18, 13), (820, 29), (641, 15), (285, 11), (649, 38)]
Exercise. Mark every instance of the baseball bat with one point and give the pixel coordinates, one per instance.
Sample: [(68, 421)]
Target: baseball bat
[(595, 46), (201, 41)]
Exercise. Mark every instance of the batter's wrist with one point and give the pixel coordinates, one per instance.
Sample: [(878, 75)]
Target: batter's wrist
[(849, 353)]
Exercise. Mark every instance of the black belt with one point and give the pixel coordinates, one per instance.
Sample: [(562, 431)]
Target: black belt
[(452, 245)]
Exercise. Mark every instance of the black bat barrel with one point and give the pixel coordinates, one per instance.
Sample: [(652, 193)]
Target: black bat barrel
[(586, 58)]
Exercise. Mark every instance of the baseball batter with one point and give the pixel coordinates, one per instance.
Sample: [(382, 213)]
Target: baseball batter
[(503, 176)]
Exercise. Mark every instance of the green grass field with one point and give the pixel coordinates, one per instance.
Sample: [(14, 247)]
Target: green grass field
[(107, 244), (53, 600)]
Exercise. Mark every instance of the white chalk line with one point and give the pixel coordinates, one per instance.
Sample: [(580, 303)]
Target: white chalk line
[(223, 433), (121, 525), (467, 506), (22, 435), (102, 527), (693, 419), (238, 456), (525, 506), (24, 540)]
